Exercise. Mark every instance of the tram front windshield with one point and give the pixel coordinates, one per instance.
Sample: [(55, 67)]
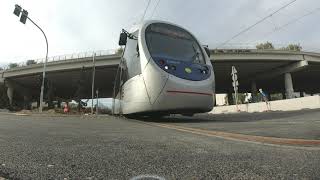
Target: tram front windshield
[(168, 41)]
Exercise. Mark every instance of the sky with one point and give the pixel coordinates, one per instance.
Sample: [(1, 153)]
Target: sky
[(91, 25)]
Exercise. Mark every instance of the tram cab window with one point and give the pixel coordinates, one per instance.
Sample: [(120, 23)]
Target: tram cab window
[(132, 57), (164, 40)]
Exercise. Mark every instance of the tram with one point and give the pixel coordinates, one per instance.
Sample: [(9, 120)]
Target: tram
[(163, 70)]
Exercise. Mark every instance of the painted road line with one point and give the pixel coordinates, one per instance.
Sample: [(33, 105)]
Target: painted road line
[(243, 137), (146, 176)]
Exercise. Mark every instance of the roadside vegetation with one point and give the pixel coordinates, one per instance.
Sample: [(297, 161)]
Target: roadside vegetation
[(269, 46)]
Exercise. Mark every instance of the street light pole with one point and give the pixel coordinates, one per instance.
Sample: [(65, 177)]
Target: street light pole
[(17, 11), (93, 80), (44, 67)]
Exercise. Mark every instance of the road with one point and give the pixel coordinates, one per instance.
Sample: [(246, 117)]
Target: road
[(303, 124), (84, 147)]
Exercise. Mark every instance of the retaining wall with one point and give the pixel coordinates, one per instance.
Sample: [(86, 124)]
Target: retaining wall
[(310, 102)]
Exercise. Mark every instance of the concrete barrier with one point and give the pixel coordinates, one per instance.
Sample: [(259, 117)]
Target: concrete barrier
[(310, 102)]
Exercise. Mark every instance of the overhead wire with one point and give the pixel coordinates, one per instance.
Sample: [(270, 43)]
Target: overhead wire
[(145, 11), (154, 10), (258, 22), (291, 22), (144, 14)]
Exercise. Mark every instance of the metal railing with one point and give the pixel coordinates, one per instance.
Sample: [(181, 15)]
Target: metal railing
[(252, 46), (229, 48), (65, 57), (251, 50)]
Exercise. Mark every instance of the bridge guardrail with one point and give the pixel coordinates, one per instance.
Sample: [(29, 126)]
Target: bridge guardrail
[(114, 51), (64, 57)]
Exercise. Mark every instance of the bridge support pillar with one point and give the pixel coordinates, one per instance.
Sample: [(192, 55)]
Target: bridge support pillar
[(288, 86), (254, 91), (50, 95), (59, 103), (26, 102), (1, 81), (10, 92)]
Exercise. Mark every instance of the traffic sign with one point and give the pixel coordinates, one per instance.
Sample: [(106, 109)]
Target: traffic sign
[(234, 70), (235, 83), (234, 77), (235, 89)]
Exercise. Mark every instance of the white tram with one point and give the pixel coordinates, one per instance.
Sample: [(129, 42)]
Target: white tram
[(163, 70)]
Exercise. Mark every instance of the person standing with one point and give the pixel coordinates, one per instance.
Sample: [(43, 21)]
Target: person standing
[(247, 100), (265, 99), (66, 108)]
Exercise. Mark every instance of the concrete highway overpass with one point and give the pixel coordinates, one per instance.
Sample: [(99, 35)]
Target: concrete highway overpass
[(272, 70)]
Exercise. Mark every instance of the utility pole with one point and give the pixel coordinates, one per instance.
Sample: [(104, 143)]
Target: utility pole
[(93, 80), (97, 106), (24, 16)]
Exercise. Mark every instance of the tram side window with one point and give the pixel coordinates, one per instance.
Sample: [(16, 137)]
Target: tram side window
[(132, 58)]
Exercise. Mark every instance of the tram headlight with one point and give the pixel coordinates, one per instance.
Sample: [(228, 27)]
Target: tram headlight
[(205, 70), (166, 67)]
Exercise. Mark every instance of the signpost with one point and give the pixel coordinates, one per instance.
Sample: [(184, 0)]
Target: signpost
[(235, 84), (97, 105)]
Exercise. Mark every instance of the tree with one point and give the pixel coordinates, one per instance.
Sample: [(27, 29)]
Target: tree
[(292, 47), (30, 62), (13, 65), (241, 98), (277, 96), (266, 45), (269, 45)]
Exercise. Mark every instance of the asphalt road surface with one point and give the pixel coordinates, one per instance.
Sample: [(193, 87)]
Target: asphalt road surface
[(303, 124), (75, 147)]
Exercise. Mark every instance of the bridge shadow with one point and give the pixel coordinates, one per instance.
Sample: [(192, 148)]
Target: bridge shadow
[(227, 118)]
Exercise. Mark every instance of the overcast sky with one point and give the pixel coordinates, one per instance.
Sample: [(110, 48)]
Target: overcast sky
[(90, 25)]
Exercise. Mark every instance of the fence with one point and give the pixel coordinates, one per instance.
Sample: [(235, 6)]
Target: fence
[(310, 102), (64, 57), (225, 49)]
